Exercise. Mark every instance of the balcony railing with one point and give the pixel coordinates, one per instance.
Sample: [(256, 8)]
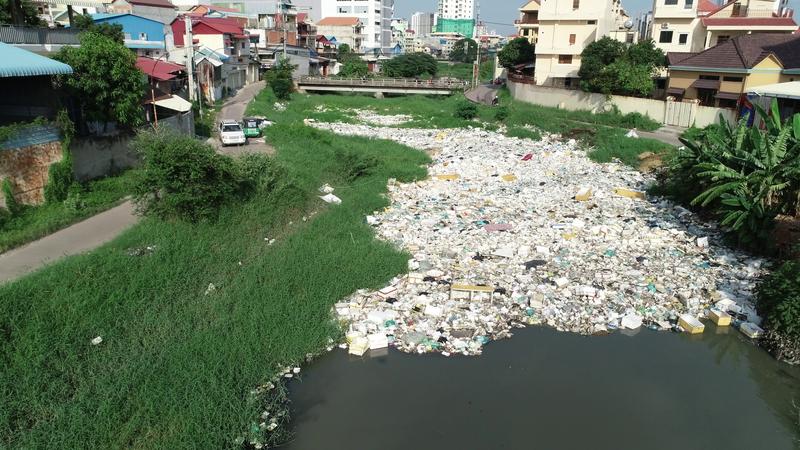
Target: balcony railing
[(526, 21), (12, 34)]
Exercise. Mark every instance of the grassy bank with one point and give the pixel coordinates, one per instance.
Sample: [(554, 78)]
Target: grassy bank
[(603, 133), (463, 71), (176, 365), (34, 222)]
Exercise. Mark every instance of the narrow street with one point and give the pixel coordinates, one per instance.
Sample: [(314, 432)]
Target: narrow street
[(234, 109)]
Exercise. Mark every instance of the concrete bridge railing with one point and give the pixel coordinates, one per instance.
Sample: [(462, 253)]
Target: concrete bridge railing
[(390, 83)]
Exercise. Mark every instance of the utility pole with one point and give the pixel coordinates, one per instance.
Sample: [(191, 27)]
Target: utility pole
[(188, 44)]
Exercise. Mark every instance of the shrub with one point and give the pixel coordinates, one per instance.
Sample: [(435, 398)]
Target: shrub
[(356, 165), (60, 178), (12, 205), (501, 113), (778, 299), (260, 173), (466, 110), (410, 65), (182, 177), (280, 79)]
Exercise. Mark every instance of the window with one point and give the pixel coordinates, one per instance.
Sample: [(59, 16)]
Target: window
[(689, 4), (733, 79), (723, 38), (683, 38), (344, 10), (572, 38), (242, 45), (576, 4), (665, 37), (565, 59), (670, 2), (709, 77), (591, 22)]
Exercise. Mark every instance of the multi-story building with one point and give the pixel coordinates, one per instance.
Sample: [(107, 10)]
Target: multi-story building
[(421, 23), (345, 30), (566, 27), (528, 23), (456, 9), (374, 15), (399, 29), (689, 26)]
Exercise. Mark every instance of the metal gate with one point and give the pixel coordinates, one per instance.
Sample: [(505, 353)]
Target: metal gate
[(680, 114)]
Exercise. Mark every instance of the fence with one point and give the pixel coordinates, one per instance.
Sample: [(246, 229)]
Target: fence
[(12, 34), (666, 112)]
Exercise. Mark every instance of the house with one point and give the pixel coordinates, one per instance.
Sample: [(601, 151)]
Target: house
[(375, 21), (566, 27), (720, 75), (159, 10), (444, 41), (147, 37), (306, 31), (690, 26), (226, 53), (346, 30), (165, 101), (528, 23)]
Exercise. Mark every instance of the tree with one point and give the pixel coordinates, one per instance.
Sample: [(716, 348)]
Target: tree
[(105, 81), (610, 67), (344, 49), (465, 50), (280, 79), (410, 65), (354, 68), (19, 12), (518, 51), (84, 22)]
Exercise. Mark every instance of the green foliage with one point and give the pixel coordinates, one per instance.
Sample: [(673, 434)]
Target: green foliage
[(778, 299), (280, 79), (465, 110), (354, 68), (12, 205), (182, 177), (344, 49), (60, 178), (105, 81), (745, 175), (355, 165), (464, 50), (610, 67), (410, 65), (113, 31), (501, 113), (29, 14), (463, 71), (518, 51)]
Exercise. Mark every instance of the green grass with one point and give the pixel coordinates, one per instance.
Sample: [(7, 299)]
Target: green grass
[(463, 71), (176, 367), (34, 222)]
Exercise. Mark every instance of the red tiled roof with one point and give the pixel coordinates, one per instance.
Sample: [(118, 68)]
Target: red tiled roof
[(749, 21), (338, 21), (301, 17), (158, 69), (706, 6), (223, 25), (155, 3)]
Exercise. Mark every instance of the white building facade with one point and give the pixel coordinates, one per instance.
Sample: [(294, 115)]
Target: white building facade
[(421, 23), (456, 9), (375, 16)]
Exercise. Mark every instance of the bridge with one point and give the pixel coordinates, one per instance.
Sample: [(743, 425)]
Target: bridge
[(380, 86)]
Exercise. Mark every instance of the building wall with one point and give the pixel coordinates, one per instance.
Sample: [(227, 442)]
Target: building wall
[(134, 26), (163, 15), (215, 42), (691, 27), (27, 169), (766, 72), (421, 23), (343, 34), (456, 9), (375, 16)]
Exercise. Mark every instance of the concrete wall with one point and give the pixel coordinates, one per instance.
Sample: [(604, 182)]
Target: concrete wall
[(95, 157), (574, 100)]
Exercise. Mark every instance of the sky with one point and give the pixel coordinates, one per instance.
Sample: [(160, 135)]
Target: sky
[(505, 11)]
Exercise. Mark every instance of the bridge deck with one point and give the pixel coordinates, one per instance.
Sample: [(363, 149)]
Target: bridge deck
[(386, 85)]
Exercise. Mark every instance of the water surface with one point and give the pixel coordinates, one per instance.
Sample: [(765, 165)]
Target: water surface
[(548, 390)]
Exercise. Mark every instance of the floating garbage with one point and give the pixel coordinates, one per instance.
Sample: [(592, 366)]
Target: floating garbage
[(751, 330), (488, 255), (691, 324)]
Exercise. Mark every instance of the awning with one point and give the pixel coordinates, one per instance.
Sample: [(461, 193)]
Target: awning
[(790, 90), (175, 103), (706, 84), (727, 96), (676, 91), (16, 62), (158, 69)]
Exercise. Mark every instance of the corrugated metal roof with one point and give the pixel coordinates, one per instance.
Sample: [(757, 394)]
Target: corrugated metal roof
[(16, 62), (31, 135), (781, 90)]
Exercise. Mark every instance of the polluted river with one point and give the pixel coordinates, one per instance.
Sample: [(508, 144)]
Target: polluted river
[(550, 303)]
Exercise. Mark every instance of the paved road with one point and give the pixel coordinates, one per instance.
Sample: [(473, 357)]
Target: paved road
[(234, 109), (667, 134), (78, 238), (483, 94)]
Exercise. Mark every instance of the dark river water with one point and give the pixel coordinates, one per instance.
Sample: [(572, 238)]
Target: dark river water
[(547, 390)]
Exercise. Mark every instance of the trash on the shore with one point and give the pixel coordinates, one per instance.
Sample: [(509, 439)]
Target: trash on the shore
[(326, 188), (330, 198), (720, 318), (632, 134), (751, 330), (691, 324), (97, 341)]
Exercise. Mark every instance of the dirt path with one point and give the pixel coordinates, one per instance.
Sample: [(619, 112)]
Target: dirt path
[(234, 109)]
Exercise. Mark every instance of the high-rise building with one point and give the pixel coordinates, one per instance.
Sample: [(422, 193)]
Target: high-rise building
[(456, 9), (377, 20), (422, 23)]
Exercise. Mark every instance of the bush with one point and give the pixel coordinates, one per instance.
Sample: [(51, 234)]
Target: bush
[(12, 205), (182, 177), (356, 165), (778, 299), (260, 173), (60, 178), (280, 79), (501, 113), (410, 65), (466, 110)]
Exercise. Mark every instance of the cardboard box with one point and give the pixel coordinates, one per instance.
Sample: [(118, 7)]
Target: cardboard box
[(751, 330), (719, 317), (691, 324)]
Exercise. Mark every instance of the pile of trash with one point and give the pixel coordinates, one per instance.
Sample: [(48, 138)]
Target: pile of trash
[(372, 118), (508, 232)]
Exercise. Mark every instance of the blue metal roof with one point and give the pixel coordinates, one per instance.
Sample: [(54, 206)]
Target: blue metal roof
[(16, 62)]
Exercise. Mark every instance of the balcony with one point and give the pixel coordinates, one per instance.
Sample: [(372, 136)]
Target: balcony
[(36, 36)]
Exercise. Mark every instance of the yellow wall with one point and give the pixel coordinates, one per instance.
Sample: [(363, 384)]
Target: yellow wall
[(763, 78)]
